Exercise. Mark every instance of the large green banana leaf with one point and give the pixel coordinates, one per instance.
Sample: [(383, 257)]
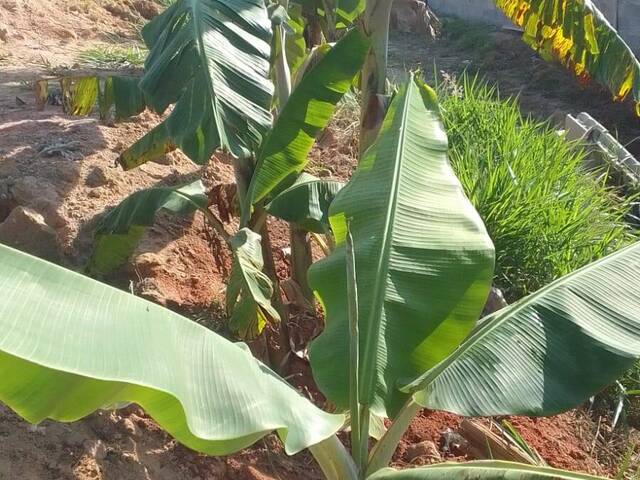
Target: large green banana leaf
[(424, 261), (575, 33), (128, 99), (249, 290), (120, 230), (307, 113), (71, 345), (212, 58), (480, 470), (306, 203), (548, 352)]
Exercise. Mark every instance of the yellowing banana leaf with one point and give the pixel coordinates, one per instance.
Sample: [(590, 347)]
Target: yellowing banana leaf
[(575, 33), (71, 345), (424, 261), (548, 352), (79, 95)]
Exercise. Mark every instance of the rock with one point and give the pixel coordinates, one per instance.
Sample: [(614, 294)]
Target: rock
[(495, 302), (95, 193), (120, 11), (130, 427), (26, 230), (41, 196), (66, 33), (28, 191), (8, 168), (6, 198), (452, 443), (414, 16), (96, 178), (73, 438), (96, 449), (426, 449), (4, 35), (146, 8)]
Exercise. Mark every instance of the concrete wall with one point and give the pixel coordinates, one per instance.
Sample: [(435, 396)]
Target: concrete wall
[(622, 14)]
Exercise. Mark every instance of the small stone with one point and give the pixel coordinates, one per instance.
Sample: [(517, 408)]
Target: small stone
[(495, 302), (96, 178), (426, 449), (130, 427), (4, 35), (129, 457), (120, 11), (96, 449), (146, 8), (39, 195), (26, 230), (30, 190), (66, 33), (6, 198), (73, 438), (453, 443), (8, 168)]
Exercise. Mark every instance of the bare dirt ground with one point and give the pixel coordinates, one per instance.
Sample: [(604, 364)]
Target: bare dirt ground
[(69, 188)]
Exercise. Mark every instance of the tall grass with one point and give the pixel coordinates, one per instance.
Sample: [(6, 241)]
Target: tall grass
[(546, 216), (113, 57)]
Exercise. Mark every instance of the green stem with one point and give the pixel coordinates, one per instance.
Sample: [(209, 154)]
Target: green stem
[(362, 452), (375, 25), (277, 357), (243, 170), (282, 73), (334, 460), (301, 260), (382, 453), (354, 355), (329, 15)]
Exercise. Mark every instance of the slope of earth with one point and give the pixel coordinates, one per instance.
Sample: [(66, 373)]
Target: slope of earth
[(500, 57), (61, 170)]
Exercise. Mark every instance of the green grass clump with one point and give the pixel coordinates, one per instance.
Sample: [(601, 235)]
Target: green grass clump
[(113, 57), (631, 383), (546, 216), (474, 38)]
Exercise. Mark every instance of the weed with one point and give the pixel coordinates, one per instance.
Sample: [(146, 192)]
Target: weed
[(546, 216), (631, 383), (113, 57), (469, 37)]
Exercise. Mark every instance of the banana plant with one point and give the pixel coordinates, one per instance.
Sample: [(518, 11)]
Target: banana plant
[(217, 61), (222, 99), (402, 291)]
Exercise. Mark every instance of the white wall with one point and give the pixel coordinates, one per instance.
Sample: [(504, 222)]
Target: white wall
[(623, 14)]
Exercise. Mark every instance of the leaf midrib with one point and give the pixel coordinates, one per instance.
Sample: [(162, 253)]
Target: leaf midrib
[(197, 19), (473, 340), (372, 336)]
